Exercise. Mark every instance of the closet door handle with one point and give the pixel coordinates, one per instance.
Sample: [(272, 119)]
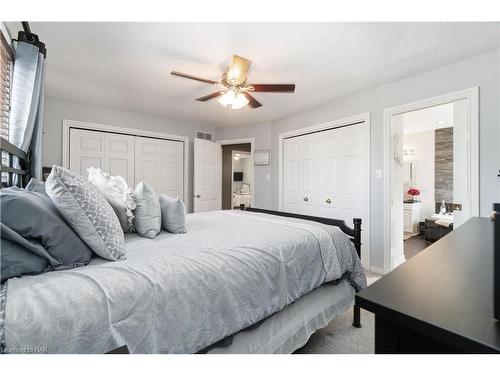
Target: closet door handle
[(306, 199), (328, 200), (197, 196)]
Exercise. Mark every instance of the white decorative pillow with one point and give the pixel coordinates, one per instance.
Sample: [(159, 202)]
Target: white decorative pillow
[(147, 219), (118, 194), (87, 211)]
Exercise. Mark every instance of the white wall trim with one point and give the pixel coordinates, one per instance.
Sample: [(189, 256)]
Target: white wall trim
[(252, 149), (364, 117), (472, 97), (68, 124)]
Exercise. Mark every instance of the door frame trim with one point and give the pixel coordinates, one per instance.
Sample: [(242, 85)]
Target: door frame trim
[(472, 97), (68, 124), (235, 141), (364, 117)]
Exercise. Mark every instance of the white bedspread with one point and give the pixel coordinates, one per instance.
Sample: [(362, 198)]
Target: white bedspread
[(179, 293)]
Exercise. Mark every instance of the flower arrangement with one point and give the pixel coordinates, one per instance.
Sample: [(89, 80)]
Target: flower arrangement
[(414, 193)]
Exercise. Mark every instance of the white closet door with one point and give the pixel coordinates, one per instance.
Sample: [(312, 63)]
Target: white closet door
[(86, 150), (119, 156), (328, 145), (160, 164), (308, 199), (352, 174), (291, 176), (299, 188), (172, 171)]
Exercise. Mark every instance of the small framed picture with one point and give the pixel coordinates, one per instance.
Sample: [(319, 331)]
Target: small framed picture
[(262, 157)]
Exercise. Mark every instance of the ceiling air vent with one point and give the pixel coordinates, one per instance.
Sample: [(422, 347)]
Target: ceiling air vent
[(205, 136)]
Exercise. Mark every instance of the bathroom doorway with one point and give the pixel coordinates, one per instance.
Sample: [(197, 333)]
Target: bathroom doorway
[(237, 175)]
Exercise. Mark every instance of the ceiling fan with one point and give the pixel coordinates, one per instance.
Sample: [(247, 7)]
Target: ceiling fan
[(234, 88)]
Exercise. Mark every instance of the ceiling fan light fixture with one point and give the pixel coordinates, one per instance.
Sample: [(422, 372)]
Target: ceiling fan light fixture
[(235, 100)]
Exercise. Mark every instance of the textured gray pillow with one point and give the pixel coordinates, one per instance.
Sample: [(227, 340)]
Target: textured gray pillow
[(36, 186), (147, 214), (173, 214), (32, 221), (87, 211)]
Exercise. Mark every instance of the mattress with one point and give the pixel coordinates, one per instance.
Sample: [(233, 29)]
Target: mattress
[(179, 293)]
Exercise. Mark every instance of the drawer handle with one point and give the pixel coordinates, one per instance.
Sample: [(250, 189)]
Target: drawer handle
[(328, 200), (306, 199)]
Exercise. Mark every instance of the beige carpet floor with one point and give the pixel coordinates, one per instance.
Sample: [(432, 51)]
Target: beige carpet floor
[(340, 337)]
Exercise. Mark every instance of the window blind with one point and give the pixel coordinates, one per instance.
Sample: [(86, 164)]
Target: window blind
[(6, 63)]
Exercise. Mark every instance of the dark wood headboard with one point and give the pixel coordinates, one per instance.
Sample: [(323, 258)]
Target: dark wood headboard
[(15, 166)]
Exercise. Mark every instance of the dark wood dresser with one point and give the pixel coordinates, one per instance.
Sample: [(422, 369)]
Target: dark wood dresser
[(441, 300)]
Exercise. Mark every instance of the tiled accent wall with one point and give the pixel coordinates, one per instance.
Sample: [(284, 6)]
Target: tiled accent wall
[(443, 171)]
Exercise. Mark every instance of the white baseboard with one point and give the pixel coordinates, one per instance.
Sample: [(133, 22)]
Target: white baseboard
[(378, 270), (398, 261)]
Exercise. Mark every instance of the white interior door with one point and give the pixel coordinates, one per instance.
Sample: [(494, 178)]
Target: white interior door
[(397, 207), (160, 163), (461, 162), (119, 156), (207, 188), (86, 149)]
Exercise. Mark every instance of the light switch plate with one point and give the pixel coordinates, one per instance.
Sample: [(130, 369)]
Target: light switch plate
[(378, 173)]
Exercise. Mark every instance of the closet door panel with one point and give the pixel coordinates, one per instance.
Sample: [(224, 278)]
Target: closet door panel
[(328, 174), (119, 160), (292, 176), (86, 150), (308, 174), (148, 162), (352, 172), (172, 160)]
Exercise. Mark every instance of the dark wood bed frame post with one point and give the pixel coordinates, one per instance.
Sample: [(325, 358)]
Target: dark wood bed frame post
[(357, 244)]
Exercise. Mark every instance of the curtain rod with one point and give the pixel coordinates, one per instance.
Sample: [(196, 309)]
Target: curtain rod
[(28, 37)]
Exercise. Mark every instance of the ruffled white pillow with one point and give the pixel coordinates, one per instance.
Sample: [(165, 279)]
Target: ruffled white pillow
[(118, 194)]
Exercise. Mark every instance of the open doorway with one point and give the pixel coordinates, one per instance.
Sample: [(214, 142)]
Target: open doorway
[(427, 176), (237, 176), (432, 184)]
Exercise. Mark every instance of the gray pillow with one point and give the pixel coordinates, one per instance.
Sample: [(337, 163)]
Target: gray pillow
[(120, 211), (87, 211), (147, 214), (16, 261), (36, 186), (173, 214), (32, 221)]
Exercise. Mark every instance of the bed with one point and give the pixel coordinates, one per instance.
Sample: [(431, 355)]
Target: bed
[(251, 281)]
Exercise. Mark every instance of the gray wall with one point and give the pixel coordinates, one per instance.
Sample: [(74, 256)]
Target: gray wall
[(55, 110), (262, 134), (481, 70), (443, 165)]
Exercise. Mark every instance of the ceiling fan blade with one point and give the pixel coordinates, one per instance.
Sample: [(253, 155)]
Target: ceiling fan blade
[(258, 87), (238, 69), (188, 76), (252, 102), (210, 96)]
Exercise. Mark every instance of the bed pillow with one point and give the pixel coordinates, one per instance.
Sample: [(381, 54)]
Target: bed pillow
[(87, 211), (118, 194), (32, 221), (16, 261), (36, 186), (173, 214), (147, 214)]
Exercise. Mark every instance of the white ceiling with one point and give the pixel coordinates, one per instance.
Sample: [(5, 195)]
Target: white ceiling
[(431, 118), (127, 65)]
